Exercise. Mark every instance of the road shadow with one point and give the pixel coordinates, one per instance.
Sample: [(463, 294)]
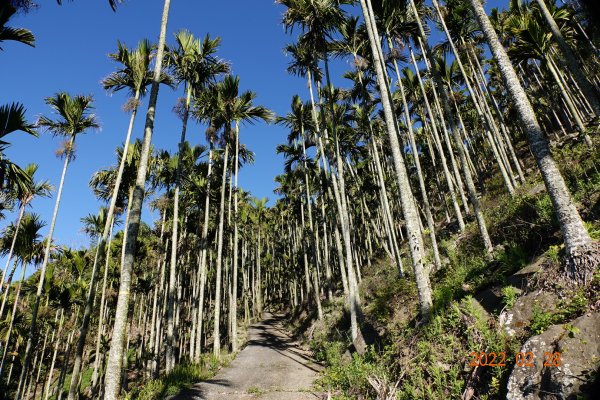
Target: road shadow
[(197, 392), (281, 342)]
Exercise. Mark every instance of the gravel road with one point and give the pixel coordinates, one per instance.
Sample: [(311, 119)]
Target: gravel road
[(271, 367)]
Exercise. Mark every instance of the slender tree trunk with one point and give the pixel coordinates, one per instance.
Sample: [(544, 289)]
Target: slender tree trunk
[(160, 313), (568, 100), (234, 295), (259, 296), (415, 151), (408, 206), (95, 374), (570, 60), (436, 138), (7, 291), (12, 249), (115, 357), (155, 306), (387, 211), (53, 362), (217, 321), (459, 144), (36, 305), (203, 254), (503, 125), (312, 238), (100, 253), (171, 337), (12, 320), (487, 123)]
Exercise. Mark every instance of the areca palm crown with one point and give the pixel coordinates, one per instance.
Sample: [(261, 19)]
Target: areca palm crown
[(93, 224), (134, 74), (20, 35), (12, 119), (73, 117), (318, 19), (305, 63)]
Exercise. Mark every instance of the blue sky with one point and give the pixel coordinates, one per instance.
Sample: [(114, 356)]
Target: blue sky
[(72, 43)]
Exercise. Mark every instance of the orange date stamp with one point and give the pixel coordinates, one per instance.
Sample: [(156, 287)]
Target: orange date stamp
[(527, 359)]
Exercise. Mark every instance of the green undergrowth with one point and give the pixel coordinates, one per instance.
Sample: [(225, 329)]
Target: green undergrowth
[(180, 378), (568, 308), (86, 381), (431, 360)]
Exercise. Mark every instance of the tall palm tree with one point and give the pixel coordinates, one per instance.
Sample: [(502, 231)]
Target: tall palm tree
[(453, 128), (134, 76), (260, 208), (319, 19), (532, 41), (409, 209), (93, 224), (204, 106), (115, 358), (195, 65), (582, 254), (25, 197), (73, 118), (300, 123), (233, 108)]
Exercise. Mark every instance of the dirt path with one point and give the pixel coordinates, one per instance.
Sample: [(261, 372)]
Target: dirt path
[(271, 367)]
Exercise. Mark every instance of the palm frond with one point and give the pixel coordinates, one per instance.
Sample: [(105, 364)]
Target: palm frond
[(12, 118)]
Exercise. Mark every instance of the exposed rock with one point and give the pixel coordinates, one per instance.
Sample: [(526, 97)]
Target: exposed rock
[(579, 346), (478, 308), (515, 320), (580, 358), (521, 278), (525, 382), (491, 299)]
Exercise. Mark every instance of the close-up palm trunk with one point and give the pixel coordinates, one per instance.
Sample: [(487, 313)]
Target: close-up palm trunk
[(42, 273), (408, 206)]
